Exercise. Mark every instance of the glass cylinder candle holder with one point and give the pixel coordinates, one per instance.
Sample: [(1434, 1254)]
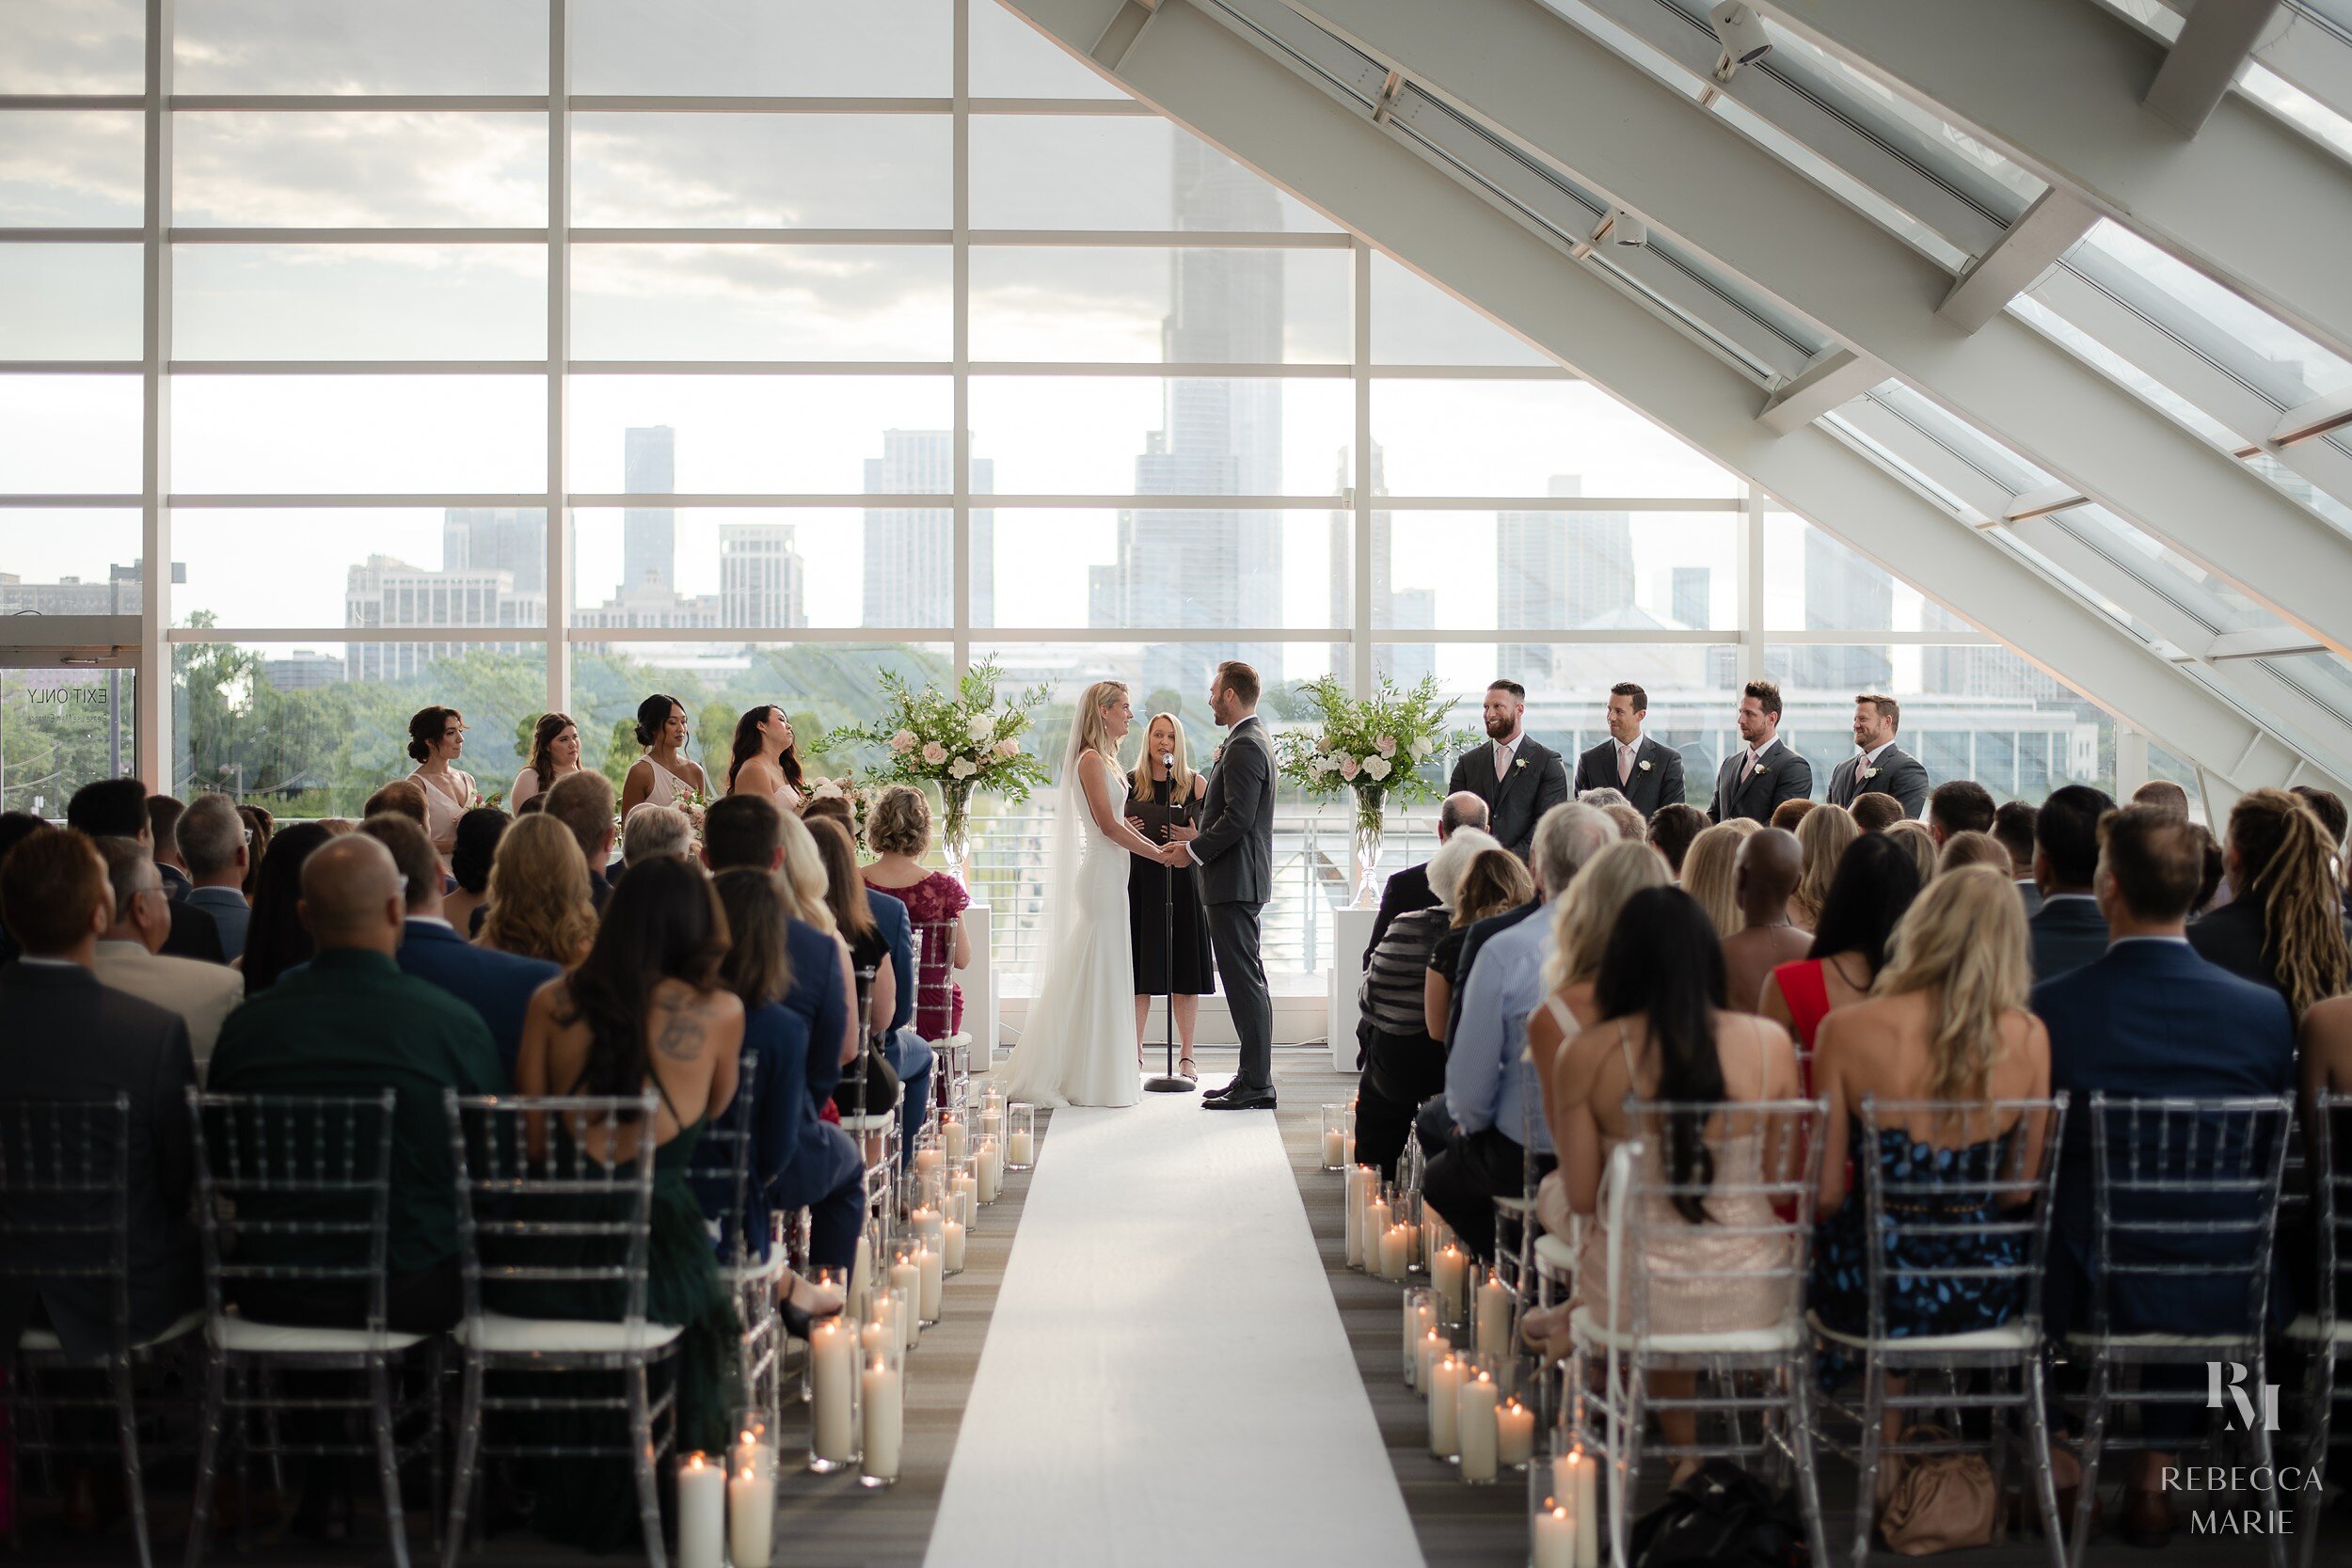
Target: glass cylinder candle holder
[(1515, 1433), (988, 1161), (1410, 1213), (833, 1366), (751, 1492), (1476, 1400), (1019, 1136), (929, 1156), (702, 1511), (1421, 1316), (1335, 1137), (930, 1270), (906, 1278), (882, 1401), (955, 1133), (964, 1188)]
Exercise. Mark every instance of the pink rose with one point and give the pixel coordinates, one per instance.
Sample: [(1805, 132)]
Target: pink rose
[(1386, 745), (1008, 748), (934, 753), (1349, 768), (903, 741)]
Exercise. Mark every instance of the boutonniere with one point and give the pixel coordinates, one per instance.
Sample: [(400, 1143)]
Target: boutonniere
[(1643, 764), (1869, 772), (1520, 763)]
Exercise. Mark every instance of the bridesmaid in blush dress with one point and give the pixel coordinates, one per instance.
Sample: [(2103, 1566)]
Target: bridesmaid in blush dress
[(664, 775), (764, 760)]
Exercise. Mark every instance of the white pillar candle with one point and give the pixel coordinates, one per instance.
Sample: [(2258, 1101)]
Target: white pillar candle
[(1355, 1215), (861, 1274), (751, 1505), (1515, 1433), (1555, 1538), (1588, 1521), (1419, 1318), (1433, 1347), (967, 1195), (1445, 1416), (1392, 1246), (955, 1247), (1349, 1154), (1475, 1404), (958, 1138), (929, 1263), (1375, 1227), (907, 1277), (885, 1419), (1413, 1258), (929, 1159), (991, 1169), (1494, 1318), (1024, 1150), (701, 1509), (926, 1223), (881, 1332), (1450, 1271), (832, 1352), (1334, 1145)]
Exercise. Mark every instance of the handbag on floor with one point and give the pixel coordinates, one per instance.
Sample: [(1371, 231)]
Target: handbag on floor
[(1720, 1517), (1940, 1502), (868, 1085)]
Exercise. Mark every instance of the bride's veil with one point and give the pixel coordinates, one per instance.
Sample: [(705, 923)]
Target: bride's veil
[(1065, 848)]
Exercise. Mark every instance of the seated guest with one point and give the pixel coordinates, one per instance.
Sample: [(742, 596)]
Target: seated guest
[(1473, 1135), (1583, 926), (1766, 878), (797, 1161), (2165, 796), (1408, 889), (899, 830), (276, 939), (1823, 836), (2209, 883), (654, 972), (1959, 806), (1876, 812), (1919, 840), (583, 801), (1706, 871), (212, 849), (539, 895), (1674, 828), (116, 807), (260, 827), (2286, 927), (15, 827), (1629, 823), (1946, 1022), (2068, 931), (1787, 814), (349, 1022), (2150, 1020), (131, 959), (497, 986), (478, 835), (1971, 848), (1662, 1036), (2328, 807), (744, 831), (1876, 882), (70, 1037), (1403, 1066), (808, 892), (1576, 836), (162, 831), (1487, 890), (403, 797), (652, 830), (2012, 825), (882, 951), (1601, 799)]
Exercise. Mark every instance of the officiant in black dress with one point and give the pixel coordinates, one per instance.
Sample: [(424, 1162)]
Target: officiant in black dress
[(1161, 790)]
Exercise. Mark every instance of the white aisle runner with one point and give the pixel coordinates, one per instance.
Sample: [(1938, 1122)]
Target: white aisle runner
[(1166, 1378)]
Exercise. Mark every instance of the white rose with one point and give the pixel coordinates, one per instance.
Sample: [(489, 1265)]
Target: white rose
[(933, 752), (982, 726), (1421, 749), (1376, 768), (825, 790), (902, 742), (965, 768)]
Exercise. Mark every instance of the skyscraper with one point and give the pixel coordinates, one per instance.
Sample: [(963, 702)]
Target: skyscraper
[(498, 539), (1692, 596), (761, 575), (1211, 568), (910, 552), (649, 535), (1557, 571), (1843, 592), (1389, 611), (384, 591)]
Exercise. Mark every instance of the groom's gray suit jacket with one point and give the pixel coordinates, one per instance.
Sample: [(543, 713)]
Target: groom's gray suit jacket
[(1235, 849)]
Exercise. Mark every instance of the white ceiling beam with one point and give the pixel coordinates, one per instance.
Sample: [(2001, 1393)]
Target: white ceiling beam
[(2043, 502), (2213, 47), (2052, 226), (2056, 88), (1244, 101), (1558, 94), (2271, 643), (1838, 376), (2314, 418)]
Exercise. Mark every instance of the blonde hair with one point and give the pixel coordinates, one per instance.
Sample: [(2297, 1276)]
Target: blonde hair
[(1964, 942), (1709, 872), (801, 878), (1451, 861), (1495, 881), (1094, 731), (901, 822), (1971, 847), (1582, 921), (539, 903), (1181, 775), (1824, 834), (1919, 843)]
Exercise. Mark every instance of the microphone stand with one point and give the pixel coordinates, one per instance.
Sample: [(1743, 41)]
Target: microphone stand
[(1170, 1082)]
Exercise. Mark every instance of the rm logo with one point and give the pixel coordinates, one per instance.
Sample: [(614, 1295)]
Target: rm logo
[(2236, 1389)]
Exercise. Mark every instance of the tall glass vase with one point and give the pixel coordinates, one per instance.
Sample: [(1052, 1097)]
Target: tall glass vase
[(955, 828), (1369, 828)]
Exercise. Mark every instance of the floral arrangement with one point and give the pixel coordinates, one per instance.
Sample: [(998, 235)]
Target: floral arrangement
[(958, 738), (1373, 746), (845, 787)]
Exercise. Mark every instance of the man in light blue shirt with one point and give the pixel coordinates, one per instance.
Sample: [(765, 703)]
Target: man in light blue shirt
[(1490, 1087)]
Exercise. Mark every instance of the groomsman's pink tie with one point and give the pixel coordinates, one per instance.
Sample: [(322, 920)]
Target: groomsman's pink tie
[(1625, 765)]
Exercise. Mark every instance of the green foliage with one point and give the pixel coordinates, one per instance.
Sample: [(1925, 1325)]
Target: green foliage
[(1379, 747), (957, 738)]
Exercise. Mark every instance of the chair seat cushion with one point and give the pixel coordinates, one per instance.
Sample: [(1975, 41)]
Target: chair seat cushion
[(2307, 1328), (1513, 1205), (1554, 1253), (1744, 1341), (500, 1335), (2017, 1336), (880, 1122), (2156, 1342), (44, 1342), (244, 1336)]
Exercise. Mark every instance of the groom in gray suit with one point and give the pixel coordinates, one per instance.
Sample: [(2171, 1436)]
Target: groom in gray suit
[(1234, 846)]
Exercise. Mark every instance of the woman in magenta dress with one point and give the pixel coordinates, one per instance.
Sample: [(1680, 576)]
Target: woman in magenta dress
[(899, 830)]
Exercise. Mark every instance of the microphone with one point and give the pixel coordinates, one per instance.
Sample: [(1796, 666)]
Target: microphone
[(1167, 759)]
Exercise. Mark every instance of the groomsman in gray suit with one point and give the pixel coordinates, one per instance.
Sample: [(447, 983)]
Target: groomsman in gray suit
[(1879, 767), (1753, 780), (1648, 775), (1234, 846), (1518, 776)]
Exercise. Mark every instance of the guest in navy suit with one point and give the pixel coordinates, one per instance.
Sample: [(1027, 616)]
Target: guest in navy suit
[(496, 984), (2151, 1019), (2068, 931), (747, 831)]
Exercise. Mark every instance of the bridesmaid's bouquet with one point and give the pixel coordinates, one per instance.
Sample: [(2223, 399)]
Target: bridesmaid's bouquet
[(845, 787)]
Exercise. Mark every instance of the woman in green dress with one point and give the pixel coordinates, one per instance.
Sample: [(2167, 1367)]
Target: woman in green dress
[(644, 1010)]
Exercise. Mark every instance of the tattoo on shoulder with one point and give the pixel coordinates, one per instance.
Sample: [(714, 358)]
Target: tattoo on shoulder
[(680, 1037)]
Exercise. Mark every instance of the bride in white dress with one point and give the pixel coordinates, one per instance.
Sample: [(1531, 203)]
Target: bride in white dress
[(1078, 1046)]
